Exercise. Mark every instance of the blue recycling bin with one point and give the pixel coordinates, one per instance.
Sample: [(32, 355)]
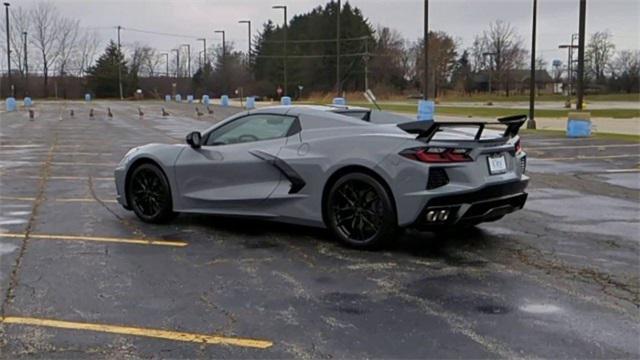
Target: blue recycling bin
[(251, 103), (285, 100), (87, 97), (11, 104), (579, 125), (190, 99), (167, 98), (426, 110), (28, 102), (206, 100), (339, 101), (178, 98), (224, 100)]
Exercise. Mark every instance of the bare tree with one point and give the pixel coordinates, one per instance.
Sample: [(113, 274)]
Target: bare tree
[(442, 60), (389, 61), (599, 51), (140, 57), (67, 43), (505, 46), (18, 25), (86, 51), (45, 20), (625, 71), (151, 64)]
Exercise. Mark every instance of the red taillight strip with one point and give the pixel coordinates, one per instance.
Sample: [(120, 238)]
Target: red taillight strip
[(443, 155)]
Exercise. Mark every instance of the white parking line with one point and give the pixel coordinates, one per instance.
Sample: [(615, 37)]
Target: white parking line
[(559, 147)]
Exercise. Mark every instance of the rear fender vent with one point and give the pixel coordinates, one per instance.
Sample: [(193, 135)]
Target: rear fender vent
[(437, 178)]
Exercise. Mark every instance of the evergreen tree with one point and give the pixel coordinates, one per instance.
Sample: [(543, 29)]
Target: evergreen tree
[(313, 63), (103, 76)]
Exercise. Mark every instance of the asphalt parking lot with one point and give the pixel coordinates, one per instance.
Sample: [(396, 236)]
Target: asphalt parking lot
[(82, 277)]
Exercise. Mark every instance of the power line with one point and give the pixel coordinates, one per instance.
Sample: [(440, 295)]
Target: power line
[(360, 38)]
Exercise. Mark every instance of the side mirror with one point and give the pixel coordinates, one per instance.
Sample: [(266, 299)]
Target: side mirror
[(194, 139)]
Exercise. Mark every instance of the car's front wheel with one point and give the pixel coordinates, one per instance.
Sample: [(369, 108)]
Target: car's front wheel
[(359, 211), (149, 194)]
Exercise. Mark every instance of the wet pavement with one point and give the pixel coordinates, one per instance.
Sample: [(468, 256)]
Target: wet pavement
[(80, 276)]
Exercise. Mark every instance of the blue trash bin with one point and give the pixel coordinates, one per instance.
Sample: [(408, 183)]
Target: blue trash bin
[(426, 110), (11, 104), (167, 98), (87, 97), (178, 98), (224, 100), (339, 101), (206, 100), (28, 102), (579, 125), (285, 100), (251, 103), (190, 99)]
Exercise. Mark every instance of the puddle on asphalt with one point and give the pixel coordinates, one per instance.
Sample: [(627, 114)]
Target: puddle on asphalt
[(578, 212), (559, 167), (627, 180)]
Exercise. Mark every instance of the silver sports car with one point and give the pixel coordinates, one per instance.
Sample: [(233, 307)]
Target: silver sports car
[(361, 174)]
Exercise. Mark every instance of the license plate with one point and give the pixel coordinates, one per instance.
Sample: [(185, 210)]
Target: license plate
[(497, 164)]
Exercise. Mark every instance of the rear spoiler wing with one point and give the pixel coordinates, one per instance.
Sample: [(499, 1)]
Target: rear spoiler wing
[(427, 129)]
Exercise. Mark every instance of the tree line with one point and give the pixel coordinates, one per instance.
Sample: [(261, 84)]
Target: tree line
[(375, 57)]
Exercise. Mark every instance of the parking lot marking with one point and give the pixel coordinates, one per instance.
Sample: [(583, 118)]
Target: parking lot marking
[(70, 200), (136, 331), (590, 157), (616, 171), (67, 163), (33, 177), (560, 147), (176, 243)]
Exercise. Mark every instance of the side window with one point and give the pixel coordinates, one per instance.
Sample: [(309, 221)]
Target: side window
[(251, 128)]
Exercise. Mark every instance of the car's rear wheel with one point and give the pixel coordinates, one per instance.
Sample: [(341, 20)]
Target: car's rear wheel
[(149, 194), (360, 212)]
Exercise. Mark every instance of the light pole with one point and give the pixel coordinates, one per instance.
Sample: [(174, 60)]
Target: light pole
[(166, 62), (581, 34), (490, 55), (248, 22), (425, 79), (119, 65), (204, 51), (569, 70), (532, 78), (188, 59), (26, 64), (177, 62), (224, 58), (284, 7), (6, 11), (338, 48)]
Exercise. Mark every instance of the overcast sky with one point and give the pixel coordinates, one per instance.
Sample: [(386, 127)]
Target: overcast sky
[(557, 19)]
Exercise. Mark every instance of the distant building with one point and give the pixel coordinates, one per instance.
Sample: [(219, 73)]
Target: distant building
[(516, 81)]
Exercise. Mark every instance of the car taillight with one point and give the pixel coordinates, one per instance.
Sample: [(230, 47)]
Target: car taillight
[(437, 155), (518, 147)]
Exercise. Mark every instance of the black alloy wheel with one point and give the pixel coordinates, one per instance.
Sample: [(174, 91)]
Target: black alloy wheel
[(149, 194), (360, 211)]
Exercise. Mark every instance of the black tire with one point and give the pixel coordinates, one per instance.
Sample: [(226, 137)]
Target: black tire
[(360, 212), (149, 194)]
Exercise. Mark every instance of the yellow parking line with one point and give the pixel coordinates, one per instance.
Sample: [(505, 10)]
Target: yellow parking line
[(110, 201), (136, 331), (27, 198), (33, 177), (176, 243)]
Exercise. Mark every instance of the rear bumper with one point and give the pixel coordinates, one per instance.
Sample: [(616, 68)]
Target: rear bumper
[(486, 204)]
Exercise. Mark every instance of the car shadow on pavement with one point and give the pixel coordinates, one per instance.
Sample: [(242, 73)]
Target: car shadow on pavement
[(258, 233)]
